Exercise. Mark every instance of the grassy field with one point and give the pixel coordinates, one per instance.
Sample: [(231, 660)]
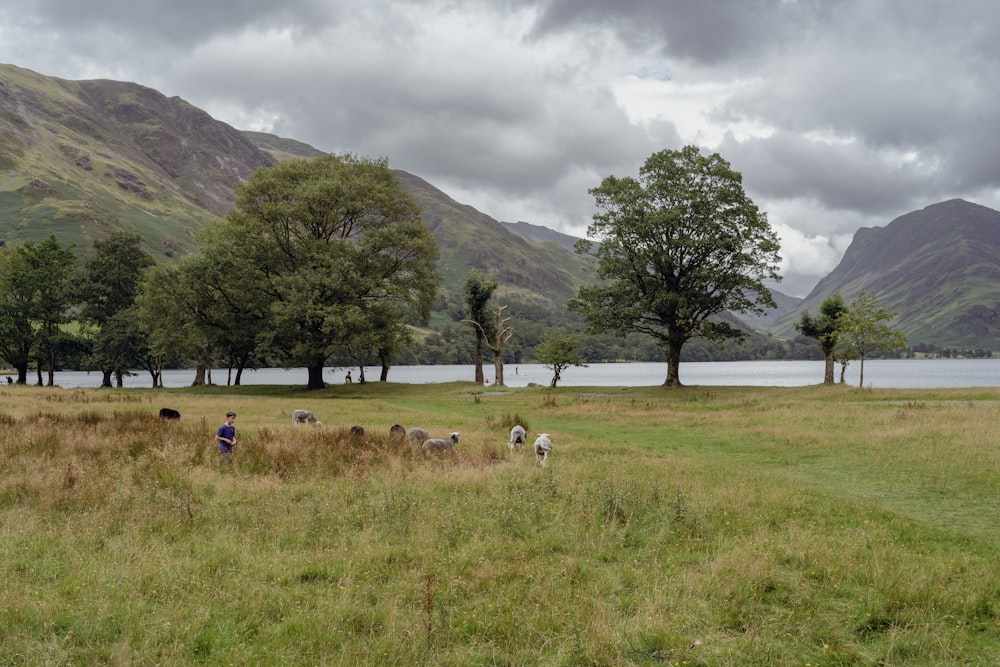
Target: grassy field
[(805, 526)]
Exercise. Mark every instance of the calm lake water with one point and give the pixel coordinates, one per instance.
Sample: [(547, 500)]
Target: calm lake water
[(901, 373)]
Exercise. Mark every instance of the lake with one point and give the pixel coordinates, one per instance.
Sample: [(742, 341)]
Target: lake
[(897, 373)]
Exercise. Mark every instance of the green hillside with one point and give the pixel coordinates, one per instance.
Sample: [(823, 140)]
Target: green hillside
[(84, 159)]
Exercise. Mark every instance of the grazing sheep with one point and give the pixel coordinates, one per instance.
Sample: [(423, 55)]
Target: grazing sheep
[(357, 431), (542, 448), (518, 436), (440, 444), (168, 413), (397, 432), (304, 416), (417, 436)]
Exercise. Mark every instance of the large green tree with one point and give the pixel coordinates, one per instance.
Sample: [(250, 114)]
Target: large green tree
[(108, 289), (167, 326), (36, 292), (678, 247), (225, 306), (326, 240), (824, 329)]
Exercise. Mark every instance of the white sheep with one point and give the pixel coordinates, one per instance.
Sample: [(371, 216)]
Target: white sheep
[(304, 416), (542, 448), (518, 436), (416, 436), (440, 444)]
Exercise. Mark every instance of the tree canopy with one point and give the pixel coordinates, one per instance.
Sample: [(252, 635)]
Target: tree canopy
[(337, 246), (678, 247), (558, 352)]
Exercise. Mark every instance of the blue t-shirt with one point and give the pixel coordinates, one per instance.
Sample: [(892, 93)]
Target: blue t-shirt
[(228, 432)]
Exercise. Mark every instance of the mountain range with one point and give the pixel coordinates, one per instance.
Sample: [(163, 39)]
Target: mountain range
[(83, 159)]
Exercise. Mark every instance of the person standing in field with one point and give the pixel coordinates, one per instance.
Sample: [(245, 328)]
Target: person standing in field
[(226, 437)]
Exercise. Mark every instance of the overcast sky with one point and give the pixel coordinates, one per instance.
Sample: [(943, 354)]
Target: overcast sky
[(840, 114)]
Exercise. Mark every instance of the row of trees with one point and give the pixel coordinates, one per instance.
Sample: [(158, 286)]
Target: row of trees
[(326, 262), (323, 259), (850, 331)]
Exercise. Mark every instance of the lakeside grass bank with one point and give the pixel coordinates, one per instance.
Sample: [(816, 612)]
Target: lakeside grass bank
[(701, 526)]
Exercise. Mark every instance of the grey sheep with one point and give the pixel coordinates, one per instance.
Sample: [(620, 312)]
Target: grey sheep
[(416, 436), (518, 436), (542, 448), (304, 417), (440, 444)]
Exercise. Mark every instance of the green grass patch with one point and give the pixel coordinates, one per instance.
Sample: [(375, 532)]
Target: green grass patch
[(727, 526)]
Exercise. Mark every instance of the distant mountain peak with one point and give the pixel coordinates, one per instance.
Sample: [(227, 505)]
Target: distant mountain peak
[(937, 267)]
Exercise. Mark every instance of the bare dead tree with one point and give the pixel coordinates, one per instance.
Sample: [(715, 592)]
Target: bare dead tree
[(497, 344)]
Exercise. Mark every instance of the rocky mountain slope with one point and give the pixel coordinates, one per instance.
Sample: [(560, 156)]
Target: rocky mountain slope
[(82, 159), (938, 268)]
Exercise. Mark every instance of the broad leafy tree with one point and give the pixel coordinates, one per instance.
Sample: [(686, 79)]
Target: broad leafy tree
[(226, 306), (36, 293), (326, 240), (825, 330), (167, 327), (559, 352), (864, 330), (678, 246), (108, 289), (478, 292)]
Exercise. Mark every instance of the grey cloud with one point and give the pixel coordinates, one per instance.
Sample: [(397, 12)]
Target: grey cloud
[(838, 176), (705, 31), (864, 109)]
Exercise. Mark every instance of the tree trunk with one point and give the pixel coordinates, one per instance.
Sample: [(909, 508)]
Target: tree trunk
[(22, 372), (199, 372), (828, 370), (498, 370), (479, 356), (315, 377), (673, 366), (119, 379), (384, 377), (861, 381), (106, 379), (239, 374)]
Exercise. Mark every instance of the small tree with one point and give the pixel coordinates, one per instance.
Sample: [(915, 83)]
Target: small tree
[(824, 329), (558, 353), (861, 330)]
